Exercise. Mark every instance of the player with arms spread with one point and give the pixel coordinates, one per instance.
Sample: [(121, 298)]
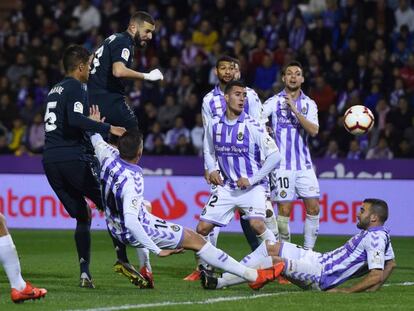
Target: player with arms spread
[(129, 221), (68, 158), (111, 65), (368, 253), (294, 116)]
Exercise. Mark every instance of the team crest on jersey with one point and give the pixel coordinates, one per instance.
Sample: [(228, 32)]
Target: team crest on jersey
[(283, 194), (240, 136), (304, 110), (175, 228), (78, 107), (125, 54)]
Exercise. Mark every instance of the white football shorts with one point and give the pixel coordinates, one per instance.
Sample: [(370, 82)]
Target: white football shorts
[(287, 185), (166, 235), (222, 204), (301, 265)]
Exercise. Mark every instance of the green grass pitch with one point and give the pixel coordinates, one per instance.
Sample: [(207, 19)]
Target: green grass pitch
[(48, 259)]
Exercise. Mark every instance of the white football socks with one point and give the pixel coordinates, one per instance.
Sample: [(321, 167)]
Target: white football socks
[(311, 230), (213, 236), (271, 222), (10, 261), (144, 259), (259, 259), (284, 229), (217, 258), (267, 235)]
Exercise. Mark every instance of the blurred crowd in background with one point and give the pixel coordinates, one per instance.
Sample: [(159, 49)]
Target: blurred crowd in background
[(353, 52)]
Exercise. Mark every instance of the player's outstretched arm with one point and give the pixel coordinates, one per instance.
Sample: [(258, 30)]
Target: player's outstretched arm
[(388, 268), (119, 70), (372, 279)]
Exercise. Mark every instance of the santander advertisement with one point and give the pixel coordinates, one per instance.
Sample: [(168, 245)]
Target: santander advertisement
[(27, 201)]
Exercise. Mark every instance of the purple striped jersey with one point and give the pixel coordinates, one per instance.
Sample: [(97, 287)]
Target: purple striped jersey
[(122, 189), (214, 104), (365, 251), (238, 147), (291, 138)]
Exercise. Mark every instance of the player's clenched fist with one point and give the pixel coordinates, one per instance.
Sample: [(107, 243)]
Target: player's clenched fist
[(154, 75)]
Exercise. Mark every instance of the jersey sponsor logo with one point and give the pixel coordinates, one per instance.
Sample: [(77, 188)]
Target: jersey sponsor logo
[(78, 107), (125, 54)]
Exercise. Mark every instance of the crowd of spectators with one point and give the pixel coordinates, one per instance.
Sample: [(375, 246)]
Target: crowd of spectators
[(353, 52)]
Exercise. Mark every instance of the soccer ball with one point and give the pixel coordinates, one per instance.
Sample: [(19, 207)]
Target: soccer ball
[(358, 120)]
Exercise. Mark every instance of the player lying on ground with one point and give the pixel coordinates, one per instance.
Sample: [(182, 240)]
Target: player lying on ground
[(367, 253), (130, 222), (9, 259)]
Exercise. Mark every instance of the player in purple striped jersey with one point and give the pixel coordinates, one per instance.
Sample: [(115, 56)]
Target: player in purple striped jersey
[(294, 116), (129, 221), (235, 145), (367, 253)]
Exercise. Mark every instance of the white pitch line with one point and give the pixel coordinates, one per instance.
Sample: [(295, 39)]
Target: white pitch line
[(399, 284), (206, 301), (178, 303)]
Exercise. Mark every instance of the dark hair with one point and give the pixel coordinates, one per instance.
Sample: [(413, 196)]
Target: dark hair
[(224, 58), (379, 207), (129, 144), (236, 61), (140, 17), (233, 83), (291, 64), (73, 56)]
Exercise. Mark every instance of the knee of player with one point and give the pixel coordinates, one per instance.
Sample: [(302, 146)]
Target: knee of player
[(312, 206), (257, 225), (203, 228), (193, 240), (284, 209)]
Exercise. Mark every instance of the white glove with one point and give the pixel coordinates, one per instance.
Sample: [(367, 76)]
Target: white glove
[(154, 75)]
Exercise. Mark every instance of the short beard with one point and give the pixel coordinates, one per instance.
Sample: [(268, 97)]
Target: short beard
[(222, 81), (361, 225), (139, 43)]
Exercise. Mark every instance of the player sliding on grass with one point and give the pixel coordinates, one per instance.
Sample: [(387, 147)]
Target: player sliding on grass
[(367, 253), (9, 259), (129, 221)]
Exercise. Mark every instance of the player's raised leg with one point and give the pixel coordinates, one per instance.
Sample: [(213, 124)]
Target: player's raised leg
[(219, 259), (20, 290)]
